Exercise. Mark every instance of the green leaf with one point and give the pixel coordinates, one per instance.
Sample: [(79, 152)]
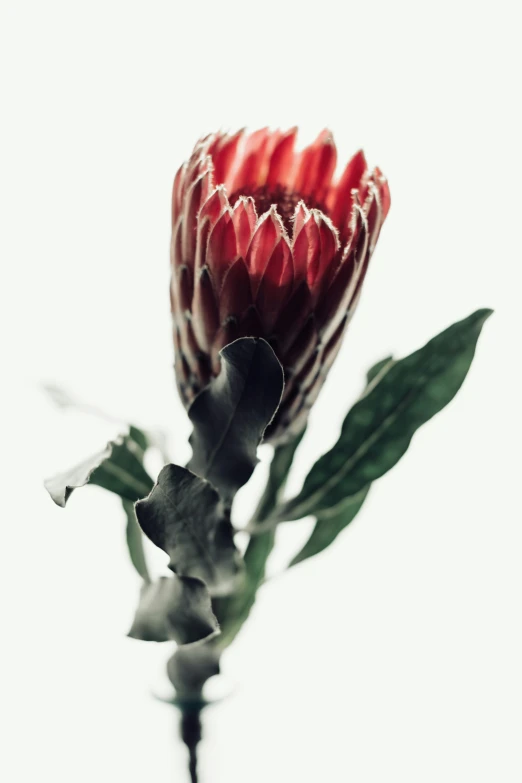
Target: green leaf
[(184, 516), (135, 541), (329, 524), (379, 369), (379, 428), (230, 416), (117, 468), (174, 608)]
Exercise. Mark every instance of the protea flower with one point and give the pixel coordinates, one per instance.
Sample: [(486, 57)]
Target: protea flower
[(267, 243)]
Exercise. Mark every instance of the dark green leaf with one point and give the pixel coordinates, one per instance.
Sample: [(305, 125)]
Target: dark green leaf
[(379, 428), (117, 468), (184, 516), (135, 541), (230, 416), (174, 608), (330, 524), (379, 368)]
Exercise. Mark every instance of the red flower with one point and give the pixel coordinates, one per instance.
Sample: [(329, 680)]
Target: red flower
[(265, 243)]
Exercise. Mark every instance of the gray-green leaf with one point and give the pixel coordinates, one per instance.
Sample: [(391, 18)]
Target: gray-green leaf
[(378, 429), (230, 416), (174, 608), (184, 515), (190, 668)]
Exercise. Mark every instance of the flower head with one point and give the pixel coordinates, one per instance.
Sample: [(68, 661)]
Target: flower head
[(266, 242)]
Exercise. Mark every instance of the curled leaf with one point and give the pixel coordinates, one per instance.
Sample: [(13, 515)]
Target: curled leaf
[(174, 608), (184, 515), (230, 415), (117, 468)]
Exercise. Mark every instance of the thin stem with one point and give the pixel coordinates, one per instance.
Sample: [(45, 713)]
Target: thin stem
[(190, 729)]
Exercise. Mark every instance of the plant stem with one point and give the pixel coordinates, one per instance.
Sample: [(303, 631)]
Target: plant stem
[(190, 729), (233, 610)]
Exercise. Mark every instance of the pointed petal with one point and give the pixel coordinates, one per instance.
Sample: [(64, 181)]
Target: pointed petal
[(275, 285), (244, 218), (250, 324), (177, 189), (384, 191), (235, 296), (373, 212), (252, 169), (205, 312), (196, 196), (282, 160), (336, 301), (306, 248), (328, 242), (267, 233), (214, 206), (226, 334), (176, 249), (224, 155), (303, 346), (300, 217), (316, 166), (340, 199), (293, 317), (221, 248)]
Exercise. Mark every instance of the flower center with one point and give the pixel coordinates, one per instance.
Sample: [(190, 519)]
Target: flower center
[(284, 199)]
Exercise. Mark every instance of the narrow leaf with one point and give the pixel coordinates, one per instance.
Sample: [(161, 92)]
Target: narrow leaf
[(117, 468), (329, 525), (230, 416), (184, 516), (174, 608), (379, 428)]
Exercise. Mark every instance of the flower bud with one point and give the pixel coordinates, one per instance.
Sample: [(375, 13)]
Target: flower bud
[(266, 242)]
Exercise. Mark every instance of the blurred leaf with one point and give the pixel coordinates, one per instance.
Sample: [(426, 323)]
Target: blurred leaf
[(230, 416), (330, 524), (135, 541), (184, 516), (144, 438), (233, 610), (174, 608), (190, 668), (379, 428), (117, 468)]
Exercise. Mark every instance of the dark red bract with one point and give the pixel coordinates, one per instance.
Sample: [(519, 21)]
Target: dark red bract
[(267, 243)]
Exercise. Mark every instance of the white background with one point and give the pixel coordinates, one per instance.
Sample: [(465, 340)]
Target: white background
[(395, 655)]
